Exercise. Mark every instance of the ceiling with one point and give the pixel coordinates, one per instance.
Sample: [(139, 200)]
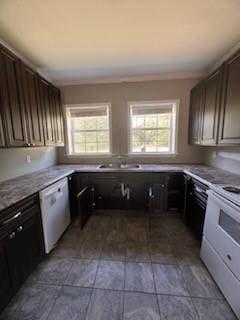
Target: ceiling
[(74, 41)]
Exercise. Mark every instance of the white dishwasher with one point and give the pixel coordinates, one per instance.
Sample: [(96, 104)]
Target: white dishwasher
[(55, 212)]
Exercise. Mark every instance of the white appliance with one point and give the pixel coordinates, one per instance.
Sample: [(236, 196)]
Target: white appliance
[(220, 248), (55, 211)]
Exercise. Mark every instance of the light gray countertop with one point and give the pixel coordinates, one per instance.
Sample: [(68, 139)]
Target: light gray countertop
[(15, 190)]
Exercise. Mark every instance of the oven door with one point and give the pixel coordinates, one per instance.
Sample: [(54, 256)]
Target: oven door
[(222, 230)]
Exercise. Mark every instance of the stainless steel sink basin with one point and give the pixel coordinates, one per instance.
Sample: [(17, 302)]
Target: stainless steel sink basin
[(119, 166)]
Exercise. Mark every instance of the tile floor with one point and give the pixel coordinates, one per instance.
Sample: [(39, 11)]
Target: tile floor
[(115, 270)]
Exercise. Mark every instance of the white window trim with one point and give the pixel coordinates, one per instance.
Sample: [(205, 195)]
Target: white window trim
[(175, 103), (92, 154)]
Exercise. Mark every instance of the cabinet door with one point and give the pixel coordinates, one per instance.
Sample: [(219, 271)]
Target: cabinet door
[(76, 183), (195, 114), (30, 244), (159, 187), (83, 206), (33, 106), (229, 132), (58, 116), (175, 192), (139, 184), (7, 284), (48, 112), (2, 140), (107, 190), (12, 99), (211, 107)]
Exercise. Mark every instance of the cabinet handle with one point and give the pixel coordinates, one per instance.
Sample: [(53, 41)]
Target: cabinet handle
[(12, 235), (163, 185), (19, 229), (12, 218)]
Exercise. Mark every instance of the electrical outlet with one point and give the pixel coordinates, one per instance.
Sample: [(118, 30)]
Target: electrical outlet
[(28, 159)]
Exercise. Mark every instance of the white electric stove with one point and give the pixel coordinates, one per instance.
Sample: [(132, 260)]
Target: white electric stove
[(220, 248)]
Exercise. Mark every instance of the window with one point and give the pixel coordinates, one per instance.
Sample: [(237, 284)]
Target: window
[(153, 127), (89, 129)]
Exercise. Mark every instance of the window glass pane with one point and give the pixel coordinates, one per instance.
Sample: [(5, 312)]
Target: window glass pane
[(103, 136), (151, 121), (91, 136), (89, 129), (140, 122), (78, 124), (79, 137), (79, 147), (91, 147), (102, 123), (90, 123), (103, 147), (164, 120), (163, 140), (146, 122)]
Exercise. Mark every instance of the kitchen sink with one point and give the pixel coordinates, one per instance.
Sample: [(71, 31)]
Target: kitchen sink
[(119, 166)]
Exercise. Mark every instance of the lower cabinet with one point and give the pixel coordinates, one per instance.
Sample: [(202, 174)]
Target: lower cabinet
[(138, 185), (195, 205), (21, 246), (106, 190), (84, 205)]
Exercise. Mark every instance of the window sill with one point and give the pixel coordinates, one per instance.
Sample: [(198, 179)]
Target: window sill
[(158, 155), (92, 155)]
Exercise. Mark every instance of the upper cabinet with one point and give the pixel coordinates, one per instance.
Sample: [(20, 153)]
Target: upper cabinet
[(2, 139), (210, 111), (12, 99), (215, 107), (55, 95), (34, 114), (30, 107), (48, 110), (195, 114), (229, 132)]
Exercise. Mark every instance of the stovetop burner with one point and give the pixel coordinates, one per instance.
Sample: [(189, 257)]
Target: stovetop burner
[(232, 189)]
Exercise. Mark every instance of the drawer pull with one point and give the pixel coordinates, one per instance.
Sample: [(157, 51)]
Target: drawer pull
[(12, 235), (229, 257), (19, 229), (12, 218)]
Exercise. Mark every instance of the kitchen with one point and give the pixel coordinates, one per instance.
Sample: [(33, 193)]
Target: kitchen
[(119, 176)]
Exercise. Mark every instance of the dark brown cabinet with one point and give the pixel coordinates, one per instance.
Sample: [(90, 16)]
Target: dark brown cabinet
[(34, 114), (2, 139), (195, 205), (215, 107), (12, 99), (107, 190), (48, 111), (229, 132), (58, 116), (210, 112), (138, 185), (21, 246), (7, 283), (30, 107), (195, 114)]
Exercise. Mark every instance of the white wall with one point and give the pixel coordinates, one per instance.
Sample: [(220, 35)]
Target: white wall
[(226, 158), (13, 161), (119, 94)]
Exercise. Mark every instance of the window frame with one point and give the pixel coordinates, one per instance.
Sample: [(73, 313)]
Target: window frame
[(69, 133), (174, 133)]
